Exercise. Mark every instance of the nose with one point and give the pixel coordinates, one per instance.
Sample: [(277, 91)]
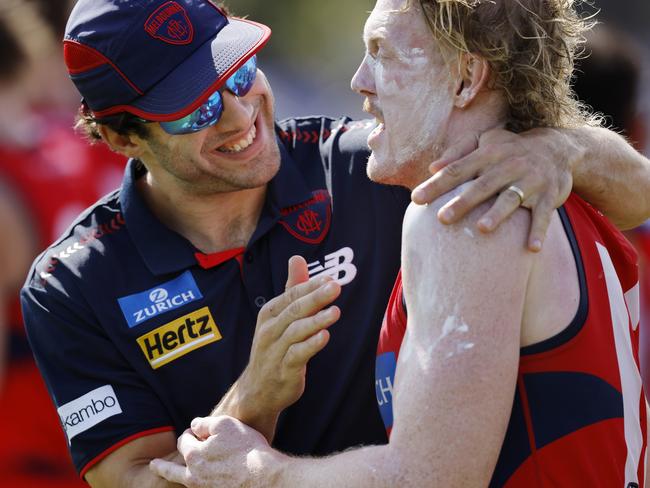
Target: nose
[(363, 81), (237, 112)]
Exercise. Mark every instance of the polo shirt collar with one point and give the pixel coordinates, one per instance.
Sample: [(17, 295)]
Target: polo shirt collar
[(165, 251)]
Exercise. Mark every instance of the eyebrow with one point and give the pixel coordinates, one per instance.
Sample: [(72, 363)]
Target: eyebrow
[(375, 36)]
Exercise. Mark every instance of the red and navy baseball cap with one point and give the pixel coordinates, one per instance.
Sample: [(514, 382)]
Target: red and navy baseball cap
[(157, 59)]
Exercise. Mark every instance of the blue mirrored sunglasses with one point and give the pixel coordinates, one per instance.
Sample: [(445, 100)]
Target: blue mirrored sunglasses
[(209, 113)]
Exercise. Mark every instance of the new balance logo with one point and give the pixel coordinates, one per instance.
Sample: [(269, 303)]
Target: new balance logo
[(88, 410), (338, 265)]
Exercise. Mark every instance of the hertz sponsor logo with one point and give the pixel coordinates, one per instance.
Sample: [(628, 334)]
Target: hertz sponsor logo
[(175, 339)]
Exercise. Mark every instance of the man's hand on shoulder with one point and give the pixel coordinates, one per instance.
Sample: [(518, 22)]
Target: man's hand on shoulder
[(538, 162), (544, 164)]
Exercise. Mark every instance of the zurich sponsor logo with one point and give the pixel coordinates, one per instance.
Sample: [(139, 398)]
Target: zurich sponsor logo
[(140, 307), (158, 295)]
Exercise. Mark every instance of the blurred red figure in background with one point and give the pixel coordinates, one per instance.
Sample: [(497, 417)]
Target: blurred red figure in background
[(609, 80), (48, 174)]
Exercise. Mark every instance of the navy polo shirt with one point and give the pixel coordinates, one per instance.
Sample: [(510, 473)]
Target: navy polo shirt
[(136, 332)]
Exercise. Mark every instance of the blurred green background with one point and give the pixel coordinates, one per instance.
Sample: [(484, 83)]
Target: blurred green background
[(316, 47), (313, 52)]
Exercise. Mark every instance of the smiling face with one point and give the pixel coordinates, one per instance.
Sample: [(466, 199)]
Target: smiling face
[(239, 152), (408, 88)]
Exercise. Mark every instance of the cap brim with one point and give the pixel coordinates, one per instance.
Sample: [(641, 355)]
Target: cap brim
[(193, 81)]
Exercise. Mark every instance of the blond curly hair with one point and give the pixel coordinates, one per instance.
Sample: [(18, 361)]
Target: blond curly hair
[(530, 45)]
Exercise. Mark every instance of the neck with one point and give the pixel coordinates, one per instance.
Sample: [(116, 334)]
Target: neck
[(212, 223), (487, 113)]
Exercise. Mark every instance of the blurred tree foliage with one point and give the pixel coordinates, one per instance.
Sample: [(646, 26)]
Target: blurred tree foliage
[(310, 31)]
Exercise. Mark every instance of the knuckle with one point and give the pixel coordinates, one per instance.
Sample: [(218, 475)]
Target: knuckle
[(531, 202), (294, 310), (491, 149), (485, 184), (295, 293), (521, 161), (511, 197), (270, 309), (452, 170)]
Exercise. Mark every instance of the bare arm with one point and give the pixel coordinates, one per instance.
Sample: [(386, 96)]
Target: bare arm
[(545, 164), (127, 467), (454, 384), (613, 177)]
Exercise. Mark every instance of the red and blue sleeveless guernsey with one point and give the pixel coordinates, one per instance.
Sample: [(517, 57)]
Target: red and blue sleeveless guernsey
[(578, 417)]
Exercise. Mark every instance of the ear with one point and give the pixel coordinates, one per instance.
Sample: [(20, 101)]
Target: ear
[(130, 146), (473, 76)]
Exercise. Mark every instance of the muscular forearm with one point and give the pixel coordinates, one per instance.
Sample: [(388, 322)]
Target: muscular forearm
[(612, 176), (369, 467), (243, 404), (137, 476), (128, 466)]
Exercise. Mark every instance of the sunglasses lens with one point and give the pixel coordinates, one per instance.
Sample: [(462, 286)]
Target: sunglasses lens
[(210, 112), (206, 115), (242, 81)]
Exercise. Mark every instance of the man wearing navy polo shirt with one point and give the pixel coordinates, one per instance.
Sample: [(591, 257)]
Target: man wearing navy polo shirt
[(158, 303)]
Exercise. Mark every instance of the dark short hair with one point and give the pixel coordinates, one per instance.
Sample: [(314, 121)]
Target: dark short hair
[(124, 123)]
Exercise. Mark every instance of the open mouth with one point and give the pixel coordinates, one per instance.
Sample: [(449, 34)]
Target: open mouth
[(242, 144)]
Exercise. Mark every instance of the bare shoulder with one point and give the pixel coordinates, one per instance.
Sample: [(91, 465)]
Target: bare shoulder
[(457, 271), (423, 232)]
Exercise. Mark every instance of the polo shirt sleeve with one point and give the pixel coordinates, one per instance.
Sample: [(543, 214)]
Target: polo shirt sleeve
[(102, 401)]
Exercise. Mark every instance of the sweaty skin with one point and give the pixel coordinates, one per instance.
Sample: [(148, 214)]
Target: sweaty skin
[(414, 106)]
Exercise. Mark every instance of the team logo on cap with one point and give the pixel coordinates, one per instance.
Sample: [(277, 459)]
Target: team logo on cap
[(170, 24), (309, 221)]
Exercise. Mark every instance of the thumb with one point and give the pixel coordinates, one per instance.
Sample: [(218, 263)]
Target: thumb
[(298, 271), (201, 427)]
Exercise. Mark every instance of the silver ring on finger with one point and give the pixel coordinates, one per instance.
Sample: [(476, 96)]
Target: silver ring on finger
[(518, 191)]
